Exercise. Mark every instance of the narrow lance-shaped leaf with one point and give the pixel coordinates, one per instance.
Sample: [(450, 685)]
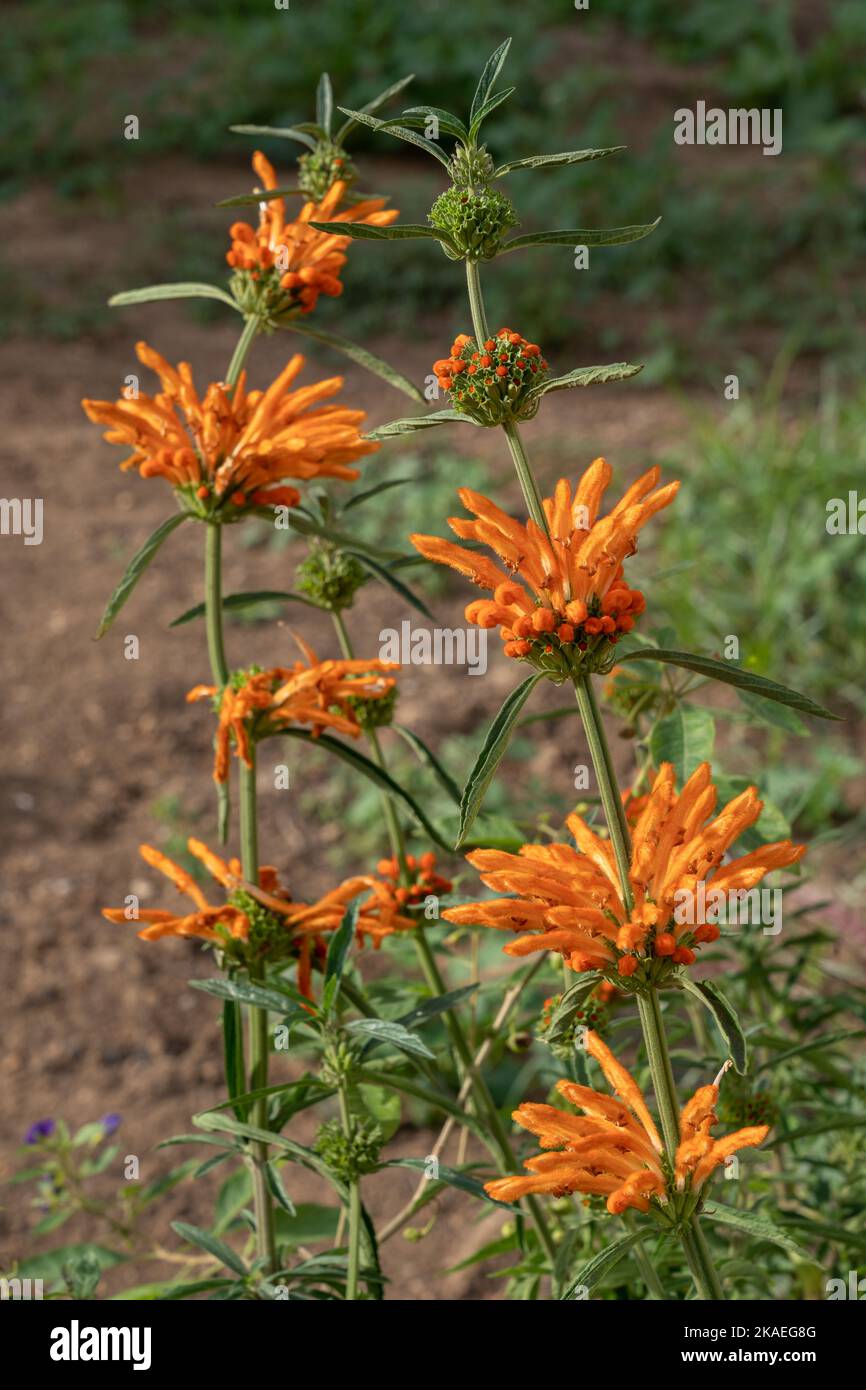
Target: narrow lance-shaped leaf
[(452, 1176), (375, 105), (550, 161), (361, 355), (492, 752), (582, 236), (421, 422), (232, 602), (732, 675), (487, 108), (278, 132), (401, 132), (186, 289), (588, 376), (205, 1241), (135, 569), (375, 774), (324, 103), (233, 1053), (487, 80), (725, 1018), (601, 1264), (426, 755), (399, 231), (419, 117), (756, 1226), (382, 1030), (264, 195), (386, 576)]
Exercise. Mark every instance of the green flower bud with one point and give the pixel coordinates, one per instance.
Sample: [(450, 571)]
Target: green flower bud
[(474, 222), (322, 167), (468, 168), (329, 576), (349, 1157)]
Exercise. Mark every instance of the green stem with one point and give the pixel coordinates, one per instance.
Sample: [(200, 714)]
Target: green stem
[(354, 1206), (258, 1040), (213, 603), (660, 1068), (602, 762), (644, 1263), (436, 984), (241, 352)]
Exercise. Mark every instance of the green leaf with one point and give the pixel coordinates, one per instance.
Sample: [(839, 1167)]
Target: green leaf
[(487, 108), (382, 1030), (185, 289), (324, 103), (205, 1241), (755, 1226), (684, 738), (244, 993), (234, 1194), (233, 1053), (232, 602), (811, 1131), (581, 236), (286, 132), (420, 422), (732, 675), (420, 117), (278, 1192), (815, 1045), (491, 754), (431, 1008), (375, 774), (571, 1002), (725, 1018), (772, 713), (550, 161), (311, 1224), (387, 576), (369, 492), (250, 200), (451, 1176), (374, 105), (588, 376), (366, 359), (401, 132), (487, 80), (49, 1266), (398, 231), (338, 946), (426, 755), (601, 1264), (135, 569)]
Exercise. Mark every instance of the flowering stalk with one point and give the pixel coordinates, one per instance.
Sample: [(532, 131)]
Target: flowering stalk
[(694, 1244), (437, 986)]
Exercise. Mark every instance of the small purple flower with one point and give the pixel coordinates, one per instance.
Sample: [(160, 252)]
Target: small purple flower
[(110, 1123), (42, 1129)]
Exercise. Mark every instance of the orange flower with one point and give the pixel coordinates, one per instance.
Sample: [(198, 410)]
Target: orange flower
[(571, 901), (614, 1149), (235, 447), (318, 694), (265, 917), (293, 256), (573, 598), (425, 880)]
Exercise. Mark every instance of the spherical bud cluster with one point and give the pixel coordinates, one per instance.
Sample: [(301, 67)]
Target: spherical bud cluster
[(475, 223), (319, 170), (593, 1014), (268, 935), (493, 383), (330, 577), (349, 1156), (425, 880), (375, 713)]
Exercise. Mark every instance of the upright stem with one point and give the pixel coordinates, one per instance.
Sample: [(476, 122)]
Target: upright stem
[(611, 800), (259, 1043), (241, 352), (213, 603), (437, 986), (354, 1207)]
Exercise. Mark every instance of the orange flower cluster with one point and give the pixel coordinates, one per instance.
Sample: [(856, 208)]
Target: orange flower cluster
[(573, 598), (614, 1149), (571, 902), (233, 448), (300, 260), (315, 693), (305, 924), (492, 382), (425, 880)]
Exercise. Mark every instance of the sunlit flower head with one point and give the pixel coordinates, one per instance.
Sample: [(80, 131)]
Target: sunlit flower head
[(283, 266), (495, 381), (561, 601), (614, 1149), (232, 449), (569, 900), (259, 921), (311, 694)]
